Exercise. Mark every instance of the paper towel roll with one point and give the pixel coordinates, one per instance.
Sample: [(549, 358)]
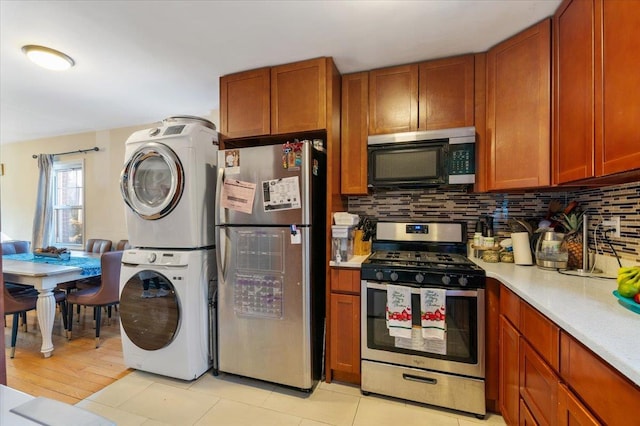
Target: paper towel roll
[(521, 248)]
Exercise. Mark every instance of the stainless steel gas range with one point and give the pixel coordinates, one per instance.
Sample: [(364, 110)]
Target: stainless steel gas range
[(406, 354)]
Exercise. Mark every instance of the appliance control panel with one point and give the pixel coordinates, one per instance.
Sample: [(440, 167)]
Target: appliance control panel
[(422, 277)]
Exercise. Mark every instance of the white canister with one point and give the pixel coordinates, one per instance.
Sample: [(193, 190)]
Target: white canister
[(521, 248)]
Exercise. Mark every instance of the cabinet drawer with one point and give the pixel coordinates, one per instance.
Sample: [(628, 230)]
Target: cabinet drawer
[(345, 280), (603, 389), (510, 306), (541, 333), (538, 385), (571, 412)]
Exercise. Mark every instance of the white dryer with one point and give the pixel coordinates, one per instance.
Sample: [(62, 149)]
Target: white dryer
[(168, 184), (167, 311)]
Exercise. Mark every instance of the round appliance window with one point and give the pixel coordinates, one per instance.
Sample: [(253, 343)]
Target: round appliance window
[(149, 310), (152, 181)]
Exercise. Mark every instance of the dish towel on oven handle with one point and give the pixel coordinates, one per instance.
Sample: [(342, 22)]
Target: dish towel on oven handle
[(399, 311), (432, 312)]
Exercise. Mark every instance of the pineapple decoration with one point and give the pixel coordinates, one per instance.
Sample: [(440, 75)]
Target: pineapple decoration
[(572, 223)]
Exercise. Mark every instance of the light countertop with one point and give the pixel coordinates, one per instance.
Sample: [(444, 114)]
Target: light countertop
[(583, 307), (354, 262)]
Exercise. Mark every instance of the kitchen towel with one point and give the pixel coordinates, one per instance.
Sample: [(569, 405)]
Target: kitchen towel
[(399, 311), (432, 312)]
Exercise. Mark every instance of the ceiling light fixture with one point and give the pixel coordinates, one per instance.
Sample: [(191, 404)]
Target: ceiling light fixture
[(48, 58)]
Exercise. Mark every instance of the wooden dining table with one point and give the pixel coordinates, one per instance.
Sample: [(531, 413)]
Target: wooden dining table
[(45, 276)]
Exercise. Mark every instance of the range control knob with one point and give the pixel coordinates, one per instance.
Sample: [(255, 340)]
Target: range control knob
[(445, 279), (394, 276), (419, 277), (379, 275), (463, 281), (151, 258)]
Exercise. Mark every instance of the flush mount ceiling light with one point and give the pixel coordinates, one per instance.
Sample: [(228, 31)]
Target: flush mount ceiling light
[(48, 58)]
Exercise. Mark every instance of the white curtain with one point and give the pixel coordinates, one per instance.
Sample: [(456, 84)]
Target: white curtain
[(43, 218)]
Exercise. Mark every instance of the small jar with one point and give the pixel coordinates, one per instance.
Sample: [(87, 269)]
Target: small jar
[(489, 242), (477, 239), (491, 256)]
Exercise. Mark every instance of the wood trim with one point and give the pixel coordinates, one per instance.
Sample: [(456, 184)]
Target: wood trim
[(480, 121), (492, 351)]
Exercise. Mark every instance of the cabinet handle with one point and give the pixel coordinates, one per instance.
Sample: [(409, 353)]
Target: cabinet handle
[(420, 379)]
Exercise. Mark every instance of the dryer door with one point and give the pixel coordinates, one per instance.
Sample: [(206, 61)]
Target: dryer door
[(149, 310), (152, 181)]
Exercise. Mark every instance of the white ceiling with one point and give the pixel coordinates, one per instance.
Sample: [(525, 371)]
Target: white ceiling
[(141, 61)]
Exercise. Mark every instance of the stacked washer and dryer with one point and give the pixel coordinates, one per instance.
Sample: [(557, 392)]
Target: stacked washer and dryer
[(168, 281)]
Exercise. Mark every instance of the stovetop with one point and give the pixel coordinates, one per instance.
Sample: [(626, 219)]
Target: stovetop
[(422, 254), (423, 258)]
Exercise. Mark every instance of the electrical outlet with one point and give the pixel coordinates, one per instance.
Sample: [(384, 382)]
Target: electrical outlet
[(613, 223)]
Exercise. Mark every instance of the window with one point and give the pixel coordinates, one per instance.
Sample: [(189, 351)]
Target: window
[(68, 203)]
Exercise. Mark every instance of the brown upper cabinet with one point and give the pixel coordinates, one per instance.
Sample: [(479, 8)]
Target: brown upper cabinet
[(596, 89), (393, 99), (245, 103), (446, 93), (276, 100), (519, 110), (355, 94), (436, 94), (298, 96)]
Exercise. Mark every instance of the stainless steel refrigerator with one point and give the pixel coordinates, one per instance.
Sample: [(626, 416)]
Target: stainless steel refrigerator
[(271, 233)]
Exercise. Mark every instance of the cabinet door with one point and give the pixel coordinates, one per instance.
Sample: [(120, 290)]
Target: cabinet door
[(509, 372), (602, 388), (355, 104), (526, 418), (244, 104), (538, 385), (617, 88), (571, 412), (446, 93), (573, 124), (298, 96), (518, 110), (393, 99), (345, 280), (542, 334), (345, 333)]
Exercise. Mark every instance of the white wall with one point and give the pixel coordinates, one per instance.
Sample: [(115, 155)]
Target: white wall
[(104, 208)]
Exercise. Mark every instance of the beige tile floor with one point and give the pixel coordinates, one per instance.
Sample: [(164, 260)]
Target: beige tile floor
[(147, 399)]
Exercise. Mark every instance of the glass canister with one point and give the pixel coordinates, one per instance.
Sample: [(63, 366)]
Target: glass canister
[(550, 252)]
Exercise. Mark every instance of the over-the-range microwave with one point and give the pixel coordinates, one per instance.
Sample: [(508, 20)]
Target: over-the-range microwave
[(422, 159)]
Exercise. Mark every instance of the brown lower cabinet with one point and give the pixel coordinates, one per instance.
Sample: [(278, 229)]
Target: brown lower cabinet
[(547, 377), (344, 326)]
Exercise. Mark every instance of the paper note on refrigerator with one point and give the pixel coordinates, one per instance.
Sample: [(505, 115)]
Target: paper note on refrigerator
[(238, 195), (281, 194)]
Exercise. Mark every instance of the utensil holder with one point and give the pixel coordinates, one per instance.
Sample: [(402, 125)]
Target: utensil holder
[(360, 248)]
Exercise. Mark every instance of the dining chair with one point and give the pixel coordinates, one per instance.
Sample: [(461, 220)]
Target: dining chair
[(123, 245), (105, 295), (98, 245), (18, 306)]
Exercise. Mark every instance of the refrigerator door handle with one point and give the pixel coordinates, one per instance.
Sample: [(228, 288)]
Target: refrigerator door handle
[(218, 235), (221, 239)]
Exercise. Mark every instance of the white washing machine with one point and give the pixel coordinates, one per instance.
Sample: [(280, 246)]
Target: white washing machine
[(168, 184), (167, 313)]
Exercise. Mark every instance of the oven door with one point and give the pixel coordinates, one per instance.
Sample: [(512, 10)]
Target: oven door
[(462, 350)]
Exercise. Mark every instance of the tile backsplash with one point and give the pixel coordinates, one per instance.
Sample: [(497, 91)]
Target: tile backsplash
[(439, 204)]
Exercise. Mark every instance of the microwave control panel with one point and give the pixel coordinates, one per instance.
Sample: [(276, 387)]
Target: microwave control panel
[(462, 159)]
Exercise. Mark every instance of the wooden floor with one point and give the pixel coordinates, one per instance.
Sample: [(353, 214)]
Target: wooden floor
[(76, 369)]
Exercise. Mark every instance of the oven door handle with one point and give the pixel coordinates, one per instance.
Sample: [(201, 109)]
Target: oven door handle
[(414, 290), (419, 379)]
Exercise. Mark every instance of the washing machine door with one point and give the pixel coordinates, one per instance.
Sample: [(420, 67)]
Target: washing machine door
[(152, 181), (149, 310)]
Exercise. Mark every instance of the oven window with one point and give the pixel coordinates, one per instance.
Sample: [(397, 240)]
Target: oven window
[(461, 341)]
